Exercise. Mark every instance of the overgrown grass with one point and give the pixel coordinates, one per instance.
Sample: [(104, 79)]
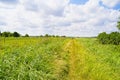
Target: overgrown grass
[(50, 58), (102, 62), (30, 58)]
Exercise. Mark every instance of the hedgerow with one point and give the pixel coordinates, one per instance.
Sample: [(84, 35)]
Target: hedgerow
[(112, 38)]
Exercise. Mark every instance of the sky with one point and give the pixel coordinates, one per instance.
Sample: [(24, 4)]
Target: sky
[(82, 18)]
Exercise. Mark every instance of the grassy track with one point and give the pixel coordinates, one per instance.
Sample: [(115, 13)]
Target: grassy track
[(101, 62), (76, 60), (58, 59), (89, 60), (70, 47)]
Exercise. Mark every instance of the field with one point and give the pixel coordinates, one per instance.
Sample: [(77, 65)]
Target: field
[(50, 58)]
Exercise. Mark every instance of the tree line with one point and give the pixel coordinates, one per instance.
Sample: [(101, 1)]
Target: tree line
[(16, 34), (112, 38), (10, 34)]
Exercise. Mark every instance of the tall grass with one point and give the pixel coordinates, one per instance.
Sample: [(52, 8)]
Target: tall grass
[(102, 62), (50, 58), (30, 58)]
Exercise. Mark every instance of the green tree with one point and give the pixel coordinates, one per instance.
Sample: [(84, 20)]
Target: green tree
[(6, 34), (112, 38), (16, 34), (0, 34), (26, 35), (46, 35), (118, 25), (102, 37)]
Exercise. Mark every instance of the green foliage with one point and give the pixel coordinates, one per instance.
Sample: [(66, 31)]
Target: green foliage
[(103, 37), (0, 34), (46, 35), (31, 58), (16, 34), (49, 59), (112, 38), (9, 34), (6, 34), (102, 62), (26, 35), (118, 24)]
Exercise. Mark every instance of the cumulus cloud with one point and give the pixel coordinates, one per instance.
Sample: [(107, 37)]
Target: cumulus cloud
[(60, 17), (111, 3)]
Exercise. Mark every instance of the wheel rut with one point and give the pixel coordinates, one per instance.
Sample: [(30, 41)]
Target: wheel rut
[(76, 60)]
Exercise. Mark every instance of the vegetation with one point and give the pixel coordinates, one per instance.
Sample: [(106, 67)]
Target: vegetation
[(51, 57), (112, 38), (26, 35), (6, 34), (16, 34), (58, 58), (9, 34), (0, 34), (100, 62), (118, 24), (32, 59)]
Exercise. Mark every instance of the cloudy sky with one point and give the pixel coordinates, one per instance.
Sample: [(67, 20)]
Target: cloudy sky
[(59, 17)]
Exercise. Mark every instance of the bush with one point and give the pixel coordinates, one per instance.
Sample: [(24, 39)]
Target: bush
[(6, 34), (26, 35), (112, 38), (16, 34)]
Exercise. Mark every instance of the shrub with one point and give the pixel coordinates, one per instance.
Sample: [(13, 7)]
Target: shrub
[(16, 34), (6, 34), (112, 38), (26, 35)]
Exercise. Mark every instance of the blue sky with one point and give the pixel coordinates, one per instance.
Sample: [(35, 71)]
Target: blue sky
[(10, 1), (117, 7), (78, 1), (59, 17)]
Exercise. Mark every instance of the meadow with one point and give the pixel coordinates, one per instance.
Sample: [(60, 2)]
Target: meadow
[(52, 58)]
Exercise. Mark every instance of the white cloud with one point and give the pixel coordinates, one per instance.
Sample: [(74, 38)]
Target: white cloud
[(58, 17), (111, 3)]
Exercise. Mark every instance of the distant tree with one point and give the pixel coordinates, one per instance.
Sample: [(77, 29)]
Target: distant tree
[(6, 34), (16, 34), (41, 35), (0, 34), (118, 25), (57, 35), (46, 35), (112, 38), (63, 36), (53, 35), (10, 34), (26, 35), (102, 37)]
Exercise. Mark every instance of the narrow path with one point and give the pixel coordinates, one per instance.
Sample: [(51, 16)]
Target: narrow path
[(76, 60)]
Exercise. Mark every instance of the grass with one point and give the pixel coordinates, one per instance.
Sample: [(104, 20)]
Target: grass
[(50, 58), (30, 58), (102, 62)]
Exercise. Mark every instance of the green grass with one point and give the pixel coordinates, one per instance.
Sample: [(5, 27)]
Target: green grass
[(30, 58), (48, 58), (102, 62)]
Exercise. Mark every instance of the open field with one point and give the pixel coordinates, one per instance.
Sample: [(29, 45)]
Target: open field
[(50, 58)]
